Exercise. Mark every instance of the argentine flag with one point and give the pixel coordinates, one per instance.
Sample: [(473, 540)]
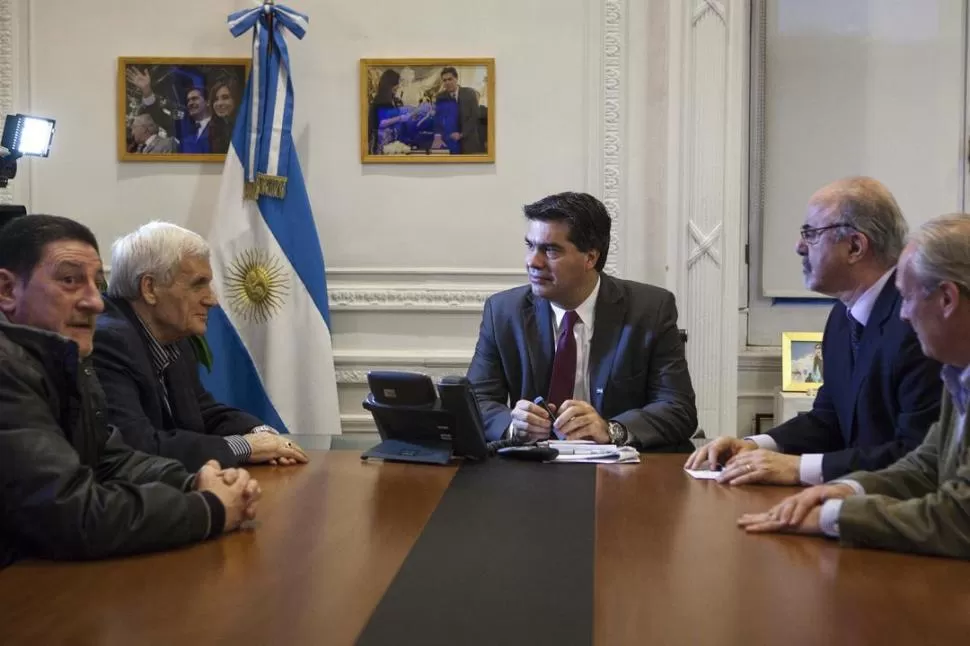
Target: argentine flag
[(270, 336)]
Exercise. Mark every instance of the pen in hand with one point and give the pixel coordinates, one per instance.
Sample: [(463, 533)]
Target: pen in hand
[(541, 402)]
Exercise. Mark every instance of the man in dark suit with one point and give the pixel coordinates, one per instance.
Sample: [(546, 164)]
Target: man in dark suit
[(921, 503), (159, 295), (880, 394), (457, 116), (605, 353)]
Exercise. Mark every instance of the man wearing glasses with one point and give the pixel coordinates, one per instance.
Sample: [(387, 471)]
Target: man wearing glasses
[(922, 502), (880, 394)]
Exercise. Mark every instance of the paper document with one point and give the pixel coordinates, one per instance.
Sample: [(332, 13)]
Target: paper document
[(587, 452), (703, 474)]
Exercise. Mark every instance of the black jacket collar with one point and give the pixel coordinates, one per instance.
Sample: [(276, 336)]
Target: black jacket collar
[(56, 353)]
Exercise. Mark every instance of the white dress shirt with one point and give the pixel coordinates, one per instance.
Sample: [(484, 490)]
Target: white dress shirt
[(200, 126), (810, 465)]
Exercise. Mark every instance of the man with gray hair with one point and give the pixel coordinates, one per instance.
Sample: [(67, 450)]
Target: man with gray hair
[(159, 295), (880, 393), (922, 502), (70, 488), (145, 133)]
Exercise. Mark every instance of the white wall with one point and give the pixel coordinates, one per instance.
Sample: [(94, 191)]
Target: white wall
[(587, 98), (389, 216)]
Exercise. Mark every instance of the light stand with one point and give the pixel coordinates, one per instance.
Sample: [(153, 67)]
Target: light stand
[(22, 135)]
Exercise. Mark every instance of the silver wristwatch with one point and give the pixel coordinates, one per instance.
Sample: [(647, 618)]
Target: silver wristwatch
[(264, 428), (617, 432)]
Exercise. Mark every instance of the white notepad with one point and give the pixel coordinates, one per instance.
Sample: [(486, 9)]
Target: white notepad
[(587, 452)]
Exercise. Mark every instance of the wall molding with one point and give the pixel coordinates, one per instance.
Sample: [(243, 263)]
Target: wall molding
[(351, 423), (760, 360), (606, 67), (438, 274), (707, 121), (411, 300), (352, 366), (613, 63), (414, 289), (417, 289)]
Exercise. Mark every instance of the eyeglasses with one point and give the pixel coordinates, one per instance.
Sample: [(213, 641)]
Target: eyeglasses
[(811, 235)]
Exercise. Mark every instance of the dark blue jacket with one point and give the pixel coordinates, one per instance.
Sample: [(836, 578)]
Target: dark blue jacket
[(193, 431), (867, 415)]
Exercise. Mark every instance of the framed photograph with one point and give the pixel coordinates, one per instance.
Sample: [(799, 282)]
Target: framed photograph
[(178, 109), (427, 110), (801, 361)]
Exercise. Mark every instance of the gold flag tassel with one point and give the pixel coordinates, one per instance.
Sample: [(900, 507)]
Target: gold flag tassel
[(249, 191), (271, 185)]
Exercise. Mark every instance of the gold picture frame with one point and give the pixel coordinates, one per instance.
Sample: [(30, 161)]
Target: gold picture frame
[(801, 361), (410, 115), (181, 88)]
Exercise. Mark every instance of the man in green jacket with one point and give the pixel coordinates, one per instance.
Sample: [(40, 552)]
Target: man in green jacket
[(922, 502)]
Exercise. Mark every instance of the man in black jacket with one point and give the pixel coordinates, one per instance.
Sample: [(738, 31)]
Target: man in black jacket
[(880, 394), (69, 487), (159, 295)]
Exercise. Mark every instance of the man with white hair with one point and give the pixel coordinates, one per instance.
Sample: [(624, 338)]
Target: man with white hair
[(159, 295), (922, 502), (70, 488), (880, 393), (145, 132)]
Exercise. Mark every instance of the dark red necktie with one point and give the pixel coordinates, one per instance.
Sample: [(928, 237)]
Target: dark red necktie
[(563, 379)]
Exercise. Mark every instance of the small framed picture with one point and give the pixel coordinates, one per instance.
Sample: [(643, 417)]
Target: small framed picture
[(427, 110), (801, 361), (178, 109)]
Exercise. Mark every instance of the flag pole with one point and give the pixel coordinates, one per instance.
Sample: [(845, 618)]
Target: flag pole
[(268, 10)]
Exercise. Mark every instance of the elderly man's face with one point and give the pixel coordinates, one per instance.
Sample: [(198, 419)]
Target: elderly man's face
[(139, 132), (923, 308), (181, 310), (825, 257), (62, 294)]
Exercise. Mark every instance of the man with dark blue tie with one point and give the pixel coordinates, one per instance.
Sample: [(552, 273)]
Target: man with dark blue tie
[(921, 503), (604, 353), (880, 394)]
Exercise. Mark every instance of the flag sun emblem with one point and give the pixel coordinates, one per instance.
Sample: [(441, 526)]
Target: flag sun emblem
[(257, 285)]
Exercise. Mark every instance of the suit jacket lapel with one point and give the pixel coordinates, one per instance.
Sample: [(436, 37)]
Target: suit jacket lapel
[(185, 407), (537, 322), (871, 339), (607, 328), (144, 361)]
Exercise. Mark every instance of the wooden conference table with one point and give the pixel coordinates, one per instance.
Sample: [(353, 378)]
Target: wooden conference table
[(667, 566)]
